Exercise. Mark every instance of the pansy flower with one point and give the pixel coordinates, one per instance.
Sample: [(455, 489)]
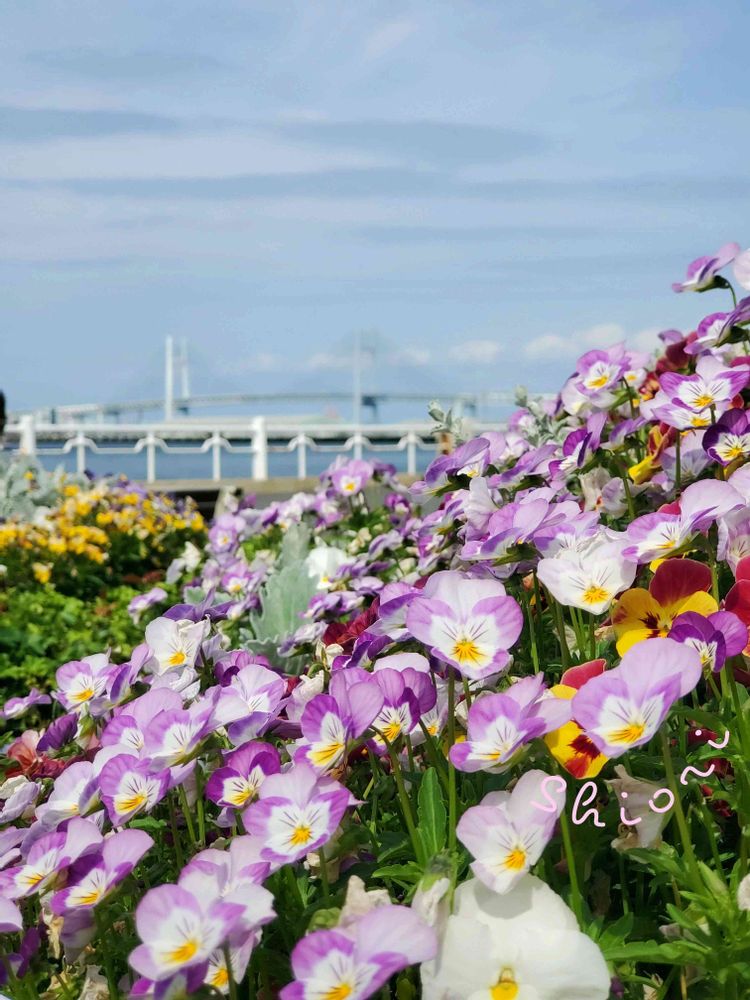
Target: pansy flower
[(75, 793), (507, 832), (679, 585), (16, 707), (407, 695), (728, 440), (623, 708), (141, 602), (258, 693), (233, 876), (297, 813), (130, 786), (351, 478), (237, 782), (500, 724), (569, 745), (589, 578), (174, 644), (179, 931), (715, 637), (48, 859), (94, 877), (355, 961), (712, 387), (468, 623), (330, 721), (702, 272), (80, 681), (656, 536)]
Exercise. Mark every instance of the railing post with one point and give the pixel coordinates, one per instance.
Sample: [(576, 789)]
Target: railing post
[(216, 456), (357, 444), (302, 457), (260, 449), (27, 440), (80, 453), (150, 457), (411, 453)]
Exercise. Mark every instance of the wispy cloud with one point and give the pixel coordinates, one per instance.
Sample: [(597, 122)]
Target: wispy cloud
[(476, 352), (445, 143), (135, 65), (602, 335), (34, 124), (388, 37)]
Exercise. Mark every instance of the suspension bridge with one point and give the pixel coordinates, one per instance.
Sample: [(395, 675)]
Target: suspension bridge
[(172, 439)]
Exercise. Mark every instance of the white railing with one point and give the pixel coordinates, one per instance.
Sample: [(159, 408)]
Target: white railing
[(218, 438)]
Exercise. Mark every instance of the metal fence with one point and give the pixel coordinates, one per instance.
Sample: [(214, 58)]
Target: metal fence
[(256, 439)]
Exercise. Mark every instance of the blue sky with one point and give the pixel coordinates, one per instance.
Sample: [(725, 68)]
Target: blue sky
[(492, 186)]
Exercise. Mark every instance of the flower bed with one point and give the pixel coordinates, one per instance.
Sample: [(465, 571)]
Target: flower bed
[(487, 740)]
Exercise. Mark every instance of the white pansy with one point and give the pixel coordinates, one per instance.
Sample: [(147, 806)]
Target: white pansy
[(589, 580), (322, 564), (175, 644), (523, 945)]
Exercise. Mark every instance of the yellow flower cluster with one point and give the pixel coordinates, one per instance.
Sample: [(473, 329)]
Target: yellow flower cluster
[(87, 520)]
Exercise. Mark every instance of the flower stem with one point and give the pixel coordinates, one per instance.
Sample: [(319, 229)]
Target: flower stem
[(405, 804), (230, 974), (186, 813), (564, 651), (452, 801), (532, 631), (324, 884), (105, 951), (679, 814), (576, 900)]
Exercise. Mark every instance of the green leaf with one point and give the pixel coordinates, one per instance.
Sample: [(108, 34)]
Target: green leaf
[(431, 813), (643, 951), (410, 873)]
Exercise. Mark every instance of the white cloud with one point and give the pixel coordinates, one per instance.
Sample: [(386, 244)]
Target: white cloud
[(389, 36), (324, 360), (416, 356), (476, 352), (602, 335), (551, 345), (645, 340)]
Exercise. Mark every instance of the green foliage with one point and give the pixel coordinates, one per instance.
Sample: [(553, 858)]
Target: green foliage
[(42, 629), (283, 598)]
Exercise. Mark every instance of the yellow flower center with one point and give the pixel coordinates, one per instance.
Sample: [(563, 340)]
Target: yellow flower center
[(326, 754), (704, 400), (516, 860), (597, 383), (466, 651), (340, 992), (506, 988), (595, 594), (89, 898), (177, 659), (628, 734), (130, 803), (84, 695), (33, 878), (392, 731), (301, 835), (240, 797), (184, 952), (220, 978)]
